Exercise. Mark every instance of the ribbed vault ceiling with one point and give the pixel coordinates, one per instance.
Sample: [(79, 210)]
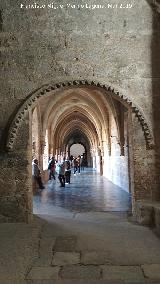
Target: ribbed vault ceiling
[(77, 111)]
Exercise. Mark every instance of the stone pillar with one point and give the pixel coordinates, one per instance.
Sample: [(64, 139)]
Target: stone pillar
[(143, 161), (100, 154), (94, 162), (93, 154), (16, 178)]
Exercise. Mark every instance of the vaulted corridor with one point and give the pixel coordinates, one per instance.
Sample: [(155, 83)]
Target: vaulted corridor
[(89, 116), (80, 84), (94, 124)]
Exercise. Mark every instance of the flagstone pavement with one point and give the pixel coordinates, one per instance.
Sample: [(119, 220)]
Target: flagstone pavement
[(69, 246)]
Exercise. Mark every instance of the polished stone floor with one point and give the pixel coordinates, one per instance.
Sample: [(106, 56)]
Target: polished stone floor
[(88, 191)]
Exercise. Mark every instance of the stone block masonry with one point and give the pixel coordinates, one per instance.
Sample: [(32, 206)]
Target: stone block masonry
[(115, 47)]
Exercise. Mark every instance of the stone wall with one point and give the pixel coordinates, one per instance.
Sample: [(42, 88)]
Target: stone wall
[(43, 45), (15, 179), (38, 46), (145, 182), (141, 179), (156, 101)]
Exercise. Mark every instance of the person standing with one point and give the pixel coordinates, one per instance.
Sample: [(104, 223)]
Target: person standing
[(37, 174), (67, 171), (82, 163), (75, 165), (78, 163), (61, 175), (52, 168)]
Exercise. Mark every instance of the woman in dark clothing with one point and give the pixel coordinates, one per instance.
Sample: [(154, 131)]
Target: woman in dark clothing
[(68, 171), (52, 168), (75, 164)]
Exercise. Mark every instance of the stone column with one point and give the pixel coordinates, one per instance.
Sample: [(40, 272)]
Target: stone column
[(16, 178), (93, 155), (100, 154)]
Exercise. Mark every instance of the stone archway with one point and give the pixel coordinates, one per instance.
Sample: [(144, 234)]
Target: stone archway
[(21, 120), (32, 99), (77, 149)]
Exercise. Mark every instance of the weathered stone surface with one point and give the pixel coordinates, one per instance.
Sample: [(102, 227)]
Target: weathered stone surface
[(148, 213), (95, 258), (19, 245), (80, 272), (39, 281), (144, 213), (132, 273), (65, 258), (157, 218), (45, 252), (152, 271), (42, 261), (43, 273), (124, 54), (62, 281), (65, 244)]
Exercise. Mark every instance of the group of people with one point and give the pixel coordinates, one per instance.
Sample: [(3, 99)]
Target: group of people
[(62, 168), (77, 164)]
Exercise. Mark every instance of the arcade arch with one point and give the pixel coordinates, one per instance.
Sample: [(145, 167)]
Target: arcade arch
[(88, 116), (97, 117), (77, 149)]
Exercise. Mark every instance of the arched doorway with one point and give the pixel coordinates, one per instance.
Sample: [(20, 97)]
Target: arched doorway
[(102, 115), (77, 149)]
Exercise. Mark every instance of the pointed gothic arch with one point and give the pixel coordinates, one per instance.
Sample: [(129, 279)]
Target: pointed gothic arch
[(45, 90)]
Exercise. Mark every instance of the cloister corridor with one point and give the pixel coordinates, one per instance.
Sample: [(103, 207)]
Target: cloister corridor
[(80, 83), (85, 231), (99, 124)]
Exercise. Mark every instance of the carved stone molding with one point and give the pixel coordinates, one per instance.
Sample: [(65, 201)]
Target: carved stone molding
[(155, 4), (32, 98)]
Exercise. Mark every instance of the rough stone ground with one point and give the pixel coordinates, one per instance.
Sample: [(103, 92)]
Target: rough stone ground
[(82, 248)]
